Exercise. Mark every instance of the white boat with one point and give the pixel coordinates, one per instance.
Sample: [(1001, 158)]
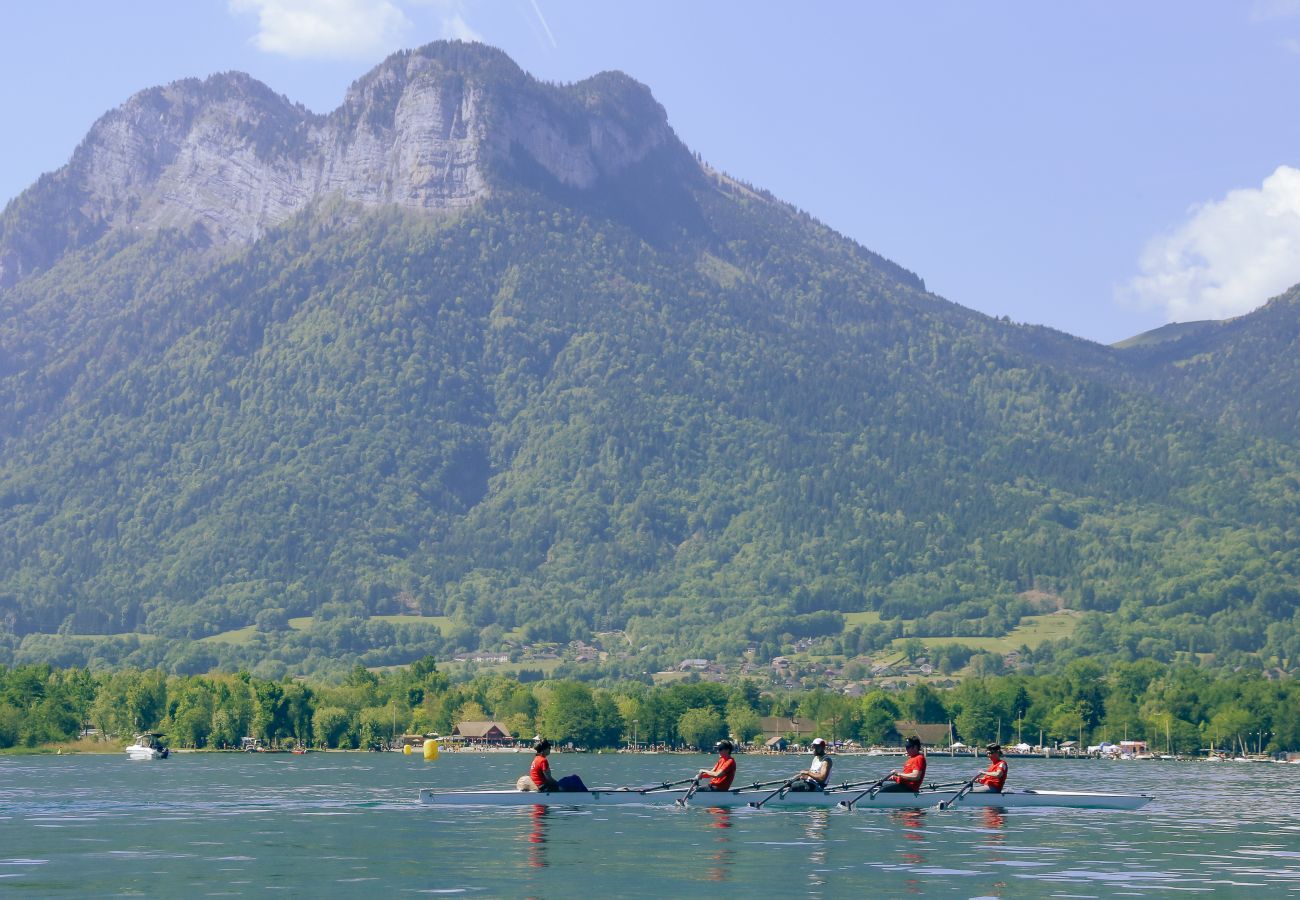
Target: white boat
[(794, 799), (147, 746)]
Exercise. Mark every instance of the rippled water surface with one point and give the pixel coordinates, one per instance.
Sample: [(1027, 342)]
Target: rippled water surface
[(349, 824)]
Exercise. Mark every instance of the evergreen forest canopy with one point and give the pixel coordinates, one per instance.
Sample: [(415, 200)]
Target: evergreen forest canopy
[(667, 406)]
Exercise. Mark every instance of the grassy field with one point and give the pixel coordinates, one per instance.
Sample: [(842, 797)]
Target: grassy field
[(237, 636), (851, 620), (302, 623), (546, 666), (1032, 631)]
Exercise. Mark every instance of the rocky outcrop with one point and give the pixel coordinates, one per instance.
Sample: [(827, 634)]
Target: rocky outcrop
[(436, 128)]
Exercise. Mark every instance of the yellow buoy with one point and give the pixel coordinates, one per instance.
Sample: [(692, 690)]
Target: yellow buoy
[(406, 750), (430, 750)]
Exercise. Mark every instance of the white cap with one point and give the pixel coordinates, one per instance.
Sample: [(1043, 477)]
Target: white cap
[(817, 741)]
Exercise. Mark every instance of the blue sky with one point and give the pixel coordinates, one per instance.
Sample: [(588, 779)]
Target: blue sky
[(1100, 168)]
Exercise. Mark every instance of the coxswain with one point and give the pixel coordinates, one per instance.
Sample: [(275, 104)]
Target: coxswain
[(723, 771), (995, 776), (540, 772), (913, 770), (818, 773)]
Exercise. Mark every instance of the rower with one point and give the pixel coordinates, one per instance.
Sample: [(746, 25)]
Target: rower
[(723, 771), (913, 773), (818, 773), (540, 772), (995, 776)]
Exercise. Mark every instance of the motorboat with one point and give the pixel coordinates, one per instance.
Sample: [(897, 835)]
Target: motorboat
[(148, 745)]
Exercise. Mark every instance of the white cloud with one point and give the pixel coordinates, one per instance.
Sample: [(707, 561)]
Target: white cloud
[(451, 19), (329, 29), (455, 27), (353, 29), (1229, 257)]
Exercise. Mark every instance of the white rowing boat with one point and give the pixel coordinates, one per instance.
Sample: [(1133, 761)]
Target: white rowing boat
[(793, 799)]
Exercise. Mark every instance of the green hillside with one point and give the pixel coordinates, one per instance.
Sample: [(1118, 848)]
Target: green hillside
[(670, 406), (1241, 372)]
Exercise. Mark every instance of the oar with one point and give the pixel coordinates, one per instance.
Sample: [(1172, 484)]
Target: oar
[(932, 786), (665, 786), (846, 786), (966, 789), (848, 804), (781, 790), (690, 792), (759, 785)]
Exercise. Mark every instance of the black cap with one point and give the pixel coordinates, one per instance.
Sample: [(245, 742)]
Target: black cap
[(994, 748), (542, 746), (724, 745), (914, 741)]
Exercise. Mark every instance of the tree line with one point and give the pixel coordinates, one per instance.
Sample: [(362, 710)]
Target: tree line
[(1180, 708)]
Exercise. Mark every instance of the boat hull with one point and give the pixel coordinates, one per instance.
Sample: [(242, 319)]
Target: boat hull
[(143, 753), (792, 800)]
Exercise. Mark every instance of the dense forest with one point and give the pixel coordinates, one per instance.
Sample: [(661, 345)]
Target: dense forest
[(1181, 709), (435, 416), (669, 406)]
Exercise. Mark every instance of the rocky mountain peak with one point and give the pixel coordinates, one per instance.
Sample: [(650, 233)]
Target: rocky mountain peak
[(436, 128)]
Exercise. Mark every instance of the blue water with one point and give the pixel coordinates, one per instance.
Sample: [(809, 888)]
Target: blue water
[(349, 825)]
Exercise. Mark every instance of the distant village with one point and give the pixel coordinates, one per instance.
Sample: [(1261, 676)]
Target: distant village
[(802, 671)]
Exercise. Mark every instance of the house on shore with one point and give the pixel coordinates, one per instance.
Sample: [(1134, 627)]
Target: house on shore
[(931, 735), (481, 733)]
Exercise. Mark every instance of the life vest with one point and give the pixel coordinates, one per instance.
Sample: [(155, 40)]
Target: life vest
[(994, 776)]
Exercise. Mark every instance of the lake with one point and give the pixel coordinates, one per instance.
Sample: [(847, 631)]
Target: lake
[(349, 825)]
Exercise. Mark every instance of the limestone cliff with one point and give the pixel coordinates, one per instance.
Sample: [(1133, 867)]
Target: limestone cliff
[(437, 128)]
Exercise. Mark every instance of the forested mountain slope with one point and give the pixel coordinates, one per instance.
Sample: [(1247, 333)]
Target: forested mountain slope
[(600, 389), (1244, 371)]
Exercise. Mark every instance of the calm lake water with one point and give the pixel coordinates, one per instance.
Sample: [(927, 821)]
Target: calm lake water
[(349, 825)]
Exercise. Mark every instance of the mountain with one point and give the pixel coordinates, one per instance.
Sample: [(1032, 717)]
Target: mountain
[(508, 353), (1242, 372), (426, 131), (1165, 333)]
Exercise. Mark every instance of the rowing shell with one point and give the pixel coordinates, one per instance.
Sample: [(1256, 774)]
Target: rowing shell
[(793, 799)]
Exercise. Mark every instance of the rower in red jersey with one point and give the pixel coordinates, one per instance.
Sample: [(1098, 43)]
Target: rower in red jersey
[(913, 773), (540, 771), (539, 774), (995, 776), (723, 771)]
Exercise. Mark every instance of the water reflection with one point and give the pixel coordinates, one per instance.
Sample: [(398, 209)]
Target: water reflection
[(911, 821), (815, 832), (721, 857), (995, 821), (537, 837)]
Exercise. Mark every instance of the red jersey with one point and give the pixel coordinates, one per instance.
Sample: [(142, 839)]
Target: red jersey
[(726, 769), (913, 772), (540, 770), (994, 776)]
